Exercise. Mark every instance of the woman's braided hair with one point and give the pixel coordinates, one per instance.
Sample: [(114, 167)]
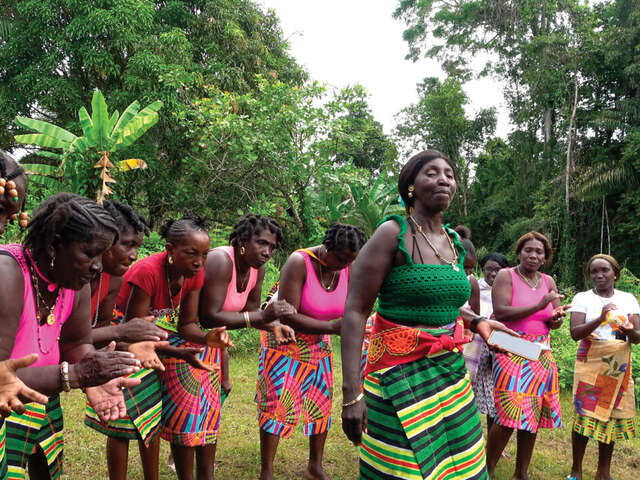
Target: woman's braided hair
[(125, 216), (174, 230), (70, 217), (7, 161), (251, 225), (340, 236)]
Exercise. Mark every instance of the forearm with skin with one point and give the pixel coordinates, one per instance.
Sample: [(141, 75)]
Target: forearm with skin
[(233, 320), (305, 324), (511, 314), (47, 379), (191, 332), (351, 347), (578, 332), (102, 336)]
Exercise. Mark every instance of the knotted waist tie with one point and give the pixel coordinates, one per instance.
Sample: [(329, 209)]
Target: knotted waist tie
[(394, 344)]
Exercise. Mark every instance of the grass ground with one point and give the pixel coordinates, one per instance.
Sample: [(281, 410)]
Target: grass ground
[(238, 455)]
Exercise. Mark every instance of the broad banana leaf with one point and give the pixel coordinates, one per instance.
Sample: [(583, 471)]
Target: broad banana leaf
[(46, 128), (41, 169), (132, 164), (80, 145), (124, 119), (100, 118), (112, 121), (47, 154), (88, 128), (138, 125), (41, 140)]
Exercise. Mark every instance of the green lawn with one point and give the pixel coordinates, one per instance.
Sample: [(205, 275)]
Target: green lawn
[(239, 450)]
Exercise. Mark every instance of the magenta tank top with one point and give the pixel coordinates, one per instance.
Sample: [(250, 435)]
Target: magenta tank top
[(523, 295), (236, 301), (31, 337), (315, 301)]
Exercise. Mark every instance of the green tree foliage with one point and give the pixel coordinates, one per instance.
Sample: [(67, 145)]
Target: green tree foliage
[(571, 72), (59, 51), (103, 135), (439, 121)]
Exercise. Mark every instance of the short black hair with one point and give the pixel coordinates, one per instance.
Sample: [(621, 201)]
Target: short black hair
[(468, 247), (174, 230), (411, 169), (340, 236), (125, 216), (251, 225), (71, 217), (495, 257)]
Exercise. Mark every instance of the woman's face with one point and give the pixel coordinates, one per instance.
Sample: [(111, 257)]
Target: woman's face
[(532, 256), (77, 263), (490, 270), (190, 253), (117, 260), (435, 185), (259, 248), (602, 274), (7, 206), (339, 259)]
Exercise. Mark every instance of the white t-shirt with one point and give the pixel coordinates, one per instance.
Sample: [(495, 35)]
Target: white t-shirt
[(486, 304), (591, 305)]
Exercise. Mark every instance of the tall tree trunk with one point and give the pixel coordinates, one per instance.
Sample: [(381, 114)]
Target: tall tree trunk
[(570, 140)]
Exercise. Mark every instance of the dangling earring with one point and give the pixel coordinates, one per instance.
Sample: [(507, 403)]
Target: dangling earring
[(242, 250), (24, 219), (410, 189), (170, 260), (53, 259)]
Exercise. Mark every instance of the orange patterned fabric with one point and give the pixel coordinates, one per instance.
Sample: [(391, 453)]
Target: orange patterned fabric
[(393, 344)]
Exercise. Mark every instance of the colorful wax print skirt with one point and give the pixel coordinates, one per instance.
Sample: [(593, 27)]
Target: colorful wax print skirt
[(526, 392), (603, 390), (39, 425), (294, 380), (144, 409), (191, 400), (422, 418)]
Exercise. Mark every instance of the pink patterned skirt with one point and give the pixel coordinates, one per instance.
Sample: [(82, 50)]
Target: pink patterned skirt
[(526, 392)]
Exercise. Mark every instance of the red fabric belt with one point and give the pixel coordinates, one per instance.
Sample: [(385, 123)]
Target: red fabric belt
[(394, 344)]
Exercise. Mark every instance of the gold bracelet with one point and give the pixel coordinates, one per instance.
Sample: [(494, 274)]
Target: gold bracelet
[(247, 320), (354, 401)]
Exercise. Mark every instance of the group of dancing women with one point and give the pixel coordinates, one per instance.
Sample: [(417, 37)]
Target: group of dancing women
[(147, 340)]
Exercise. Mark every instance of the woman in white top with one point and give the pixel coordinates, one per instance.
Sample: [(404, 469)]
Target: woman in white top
[(603, 391)]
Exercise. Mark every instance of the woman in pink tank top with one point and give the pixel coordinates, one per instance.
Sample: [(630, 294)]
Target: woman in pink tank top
[(298, 379), (50, 274), (229, 298), (526, 392)]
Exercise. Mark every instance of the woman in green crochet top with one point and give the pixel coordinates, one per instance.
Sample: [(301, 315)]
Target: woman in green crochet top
[(420, 417)]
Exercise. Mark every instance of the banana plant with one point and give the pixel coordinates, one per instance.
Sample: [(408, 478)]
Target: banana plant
[(103, 135)]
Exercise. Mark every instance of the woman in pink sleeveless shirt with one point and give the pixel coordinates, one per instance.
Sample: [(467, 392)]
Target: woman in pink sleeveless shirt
[(50, 273), (526, 392), (315, 281), (230, 298)]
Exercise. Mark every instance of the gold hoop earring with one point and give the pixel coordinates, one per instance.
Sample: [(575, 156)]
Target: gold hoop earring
[(410, 190), (170, 260), (242, 251)]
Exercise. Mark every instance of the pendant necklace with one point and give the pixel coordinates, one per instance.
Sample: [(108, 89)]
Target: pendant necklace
[(454, 262), (173, 310), (333, 278), (526, 280), (51, 318), (95, 315)]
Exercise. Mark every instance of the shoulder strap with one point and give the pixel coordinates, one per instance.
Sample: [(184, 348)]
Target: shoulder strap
[(312, 255)]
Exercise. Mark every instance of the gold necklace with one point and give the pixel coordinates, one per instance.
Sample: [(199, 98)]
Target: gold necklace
[(333, 278), (166, 273), (526, 280), (51, 317), (453, 262)]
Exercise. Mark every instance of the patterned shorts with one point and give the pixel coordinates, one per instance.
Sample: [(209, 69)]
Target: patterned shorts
[(289, 386)]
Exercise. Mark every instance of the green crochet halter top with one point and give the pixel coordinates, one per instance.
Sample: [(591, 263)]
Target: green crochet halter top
[(423, 294)]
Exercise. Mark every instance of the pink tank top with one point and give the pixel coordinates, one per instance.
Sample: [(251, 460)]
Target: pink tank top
[(236, 301), (315, 301), (31, 337), (523, 295)]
